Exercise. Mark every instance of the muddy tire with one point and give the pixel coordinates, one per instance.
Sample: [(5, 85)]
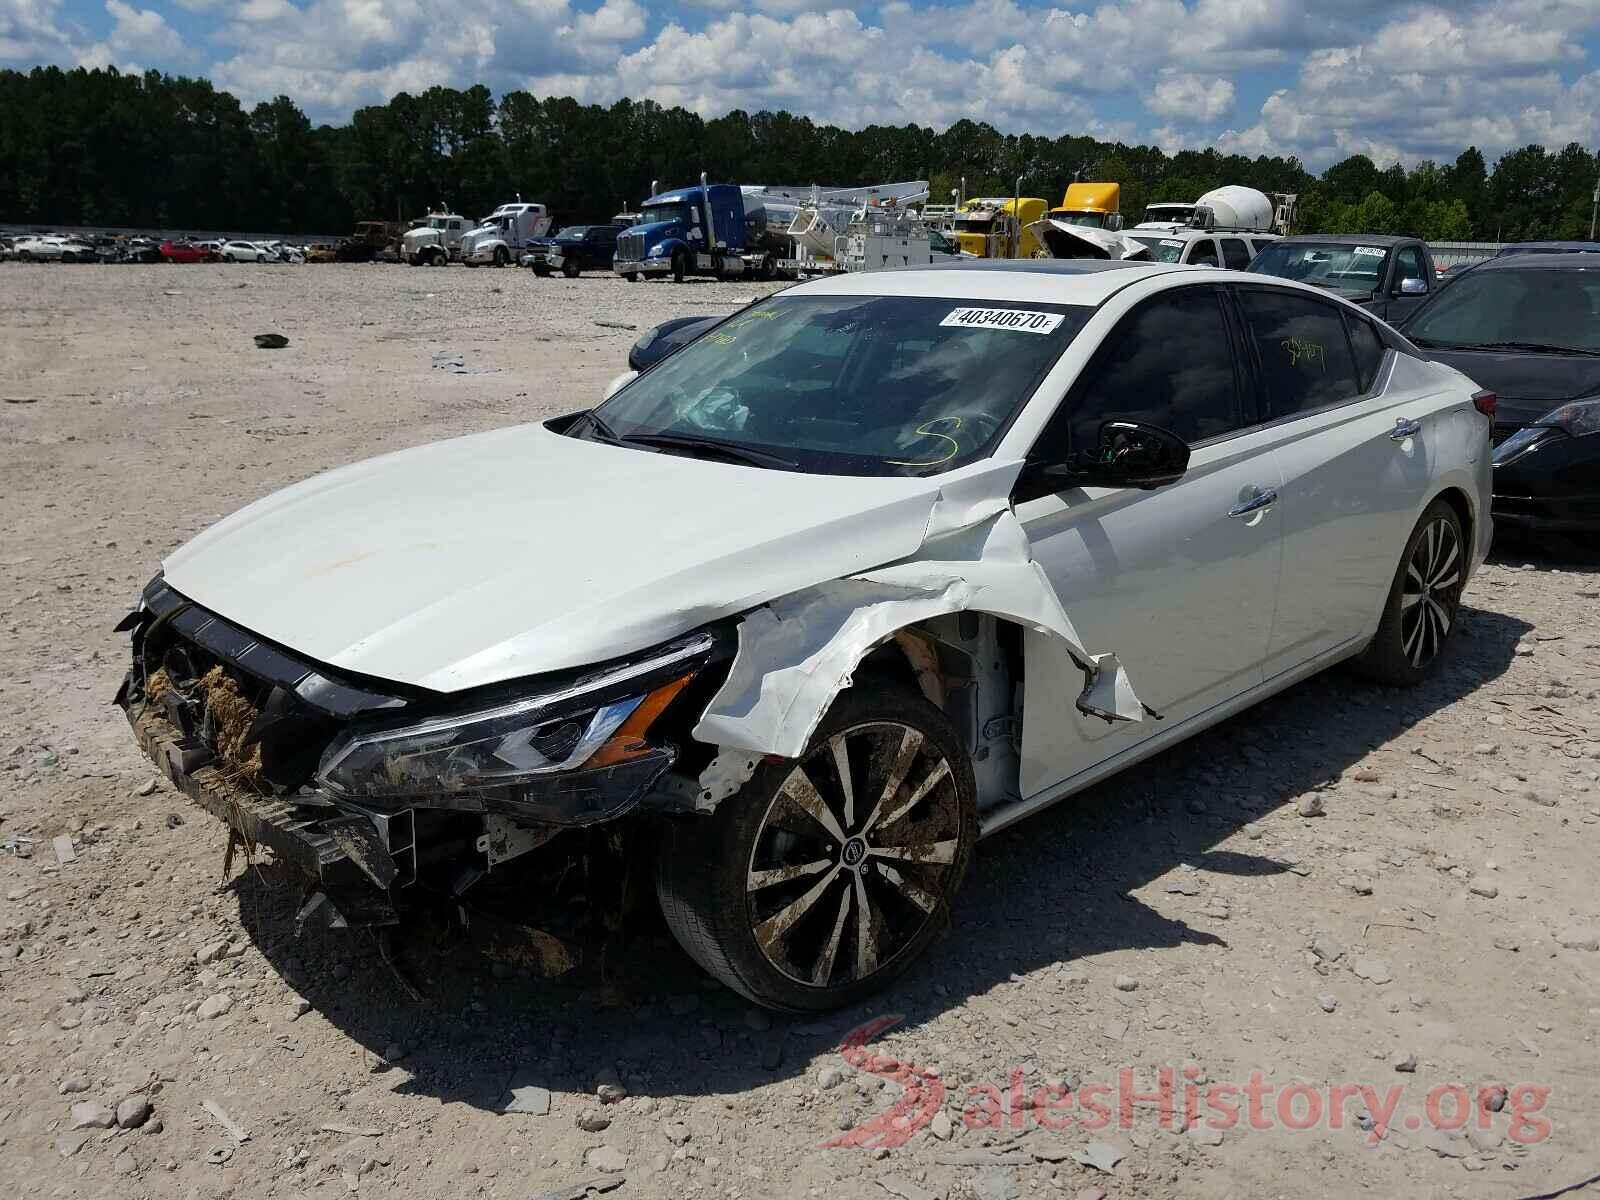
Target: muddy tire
[(570, 270), (825, 877), (680, 266), (1423, 602)]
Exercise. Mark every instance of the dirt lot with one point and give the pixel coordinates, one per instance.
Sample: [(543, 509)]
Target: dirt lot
[(1435, 926)]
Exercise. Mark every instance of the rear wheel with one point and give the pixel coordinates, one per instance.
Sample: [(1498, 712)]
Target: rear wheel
[(825, 877), (1423, 603)]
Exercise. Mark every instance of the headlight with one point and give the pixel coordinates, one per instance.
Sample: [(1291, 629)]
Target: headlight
[(1579, 418), (598, 721)]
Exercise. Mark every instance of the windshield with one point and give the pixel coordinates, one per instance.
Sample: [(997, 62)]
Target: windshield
[(974, 224), (655, 214), (851, 385), (1167, 250), (1540, 307), (436, 222), (938, 243), (1088, 220), (1325, 264), (572, 235)]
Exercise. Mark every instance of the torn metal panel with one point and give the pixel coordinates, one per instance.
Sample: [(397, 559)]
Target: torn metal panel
[(1065, 240), (796, 653)]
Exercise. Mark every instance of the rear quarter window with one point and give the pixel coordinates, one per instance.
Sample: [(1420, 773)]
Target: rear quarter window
[(1304, 352)]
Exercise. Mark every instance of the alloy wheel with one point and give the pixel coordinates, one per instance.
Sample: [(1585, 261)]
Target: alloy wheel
[(855, 855), (1431, 592)]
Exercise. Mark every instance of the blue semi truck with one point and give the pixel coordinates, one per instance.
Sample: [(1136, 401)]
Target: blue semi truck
[(704, 230)]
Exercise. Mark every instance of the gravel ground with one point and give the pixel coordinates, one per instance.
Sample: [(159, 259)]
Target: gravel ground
[(1343, 887)]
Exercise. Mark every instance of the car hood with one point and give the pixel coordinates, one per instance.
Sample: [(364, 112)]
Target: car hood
[(1526, 385), (520, 551)]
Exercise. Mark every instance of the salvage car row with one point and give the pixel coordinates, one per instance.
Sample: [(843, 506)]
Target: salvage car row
[(50, 247)]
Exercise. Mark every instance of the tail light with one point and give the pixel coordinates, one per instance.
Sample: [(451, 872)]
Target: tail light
[(1485, 402)]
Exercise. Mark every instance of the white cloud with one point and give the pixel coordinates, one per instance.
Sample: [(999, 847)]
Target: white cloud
[(1393, 78), (1191, 99)]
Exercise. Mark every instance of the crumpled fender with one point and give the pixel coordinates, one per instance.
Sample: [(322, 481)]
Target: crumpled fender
[(796, 653)]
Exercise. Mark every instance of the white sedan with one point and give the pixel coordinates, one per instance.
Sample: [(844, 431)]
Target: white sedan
[(880, 565), (245, 252)]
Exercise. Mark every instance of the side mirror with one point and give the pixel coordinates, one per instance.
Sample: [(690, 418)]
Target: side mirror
[(617, 384), (1413, 287), (1129, 454)]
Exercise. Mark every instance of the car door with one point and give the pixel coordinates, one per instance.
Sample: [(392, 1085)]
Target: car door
[(1408, 265), (1179, 582), (1350, 436), (1203, 253), (1235, 253)]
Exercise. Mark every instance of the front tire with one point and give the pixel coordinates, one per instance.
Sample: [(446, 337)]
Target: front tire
[(1423, 602), (680, 267), (570, 270), (631, 276), (502, 257), (825, 877)]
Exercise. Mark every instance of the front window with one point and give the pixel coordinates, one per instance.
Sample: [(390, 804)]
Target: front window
[(436, 222), (938, 243), (674, 211), (1324, 264), (974, 224), (1167, 250), (1519, 308), (848, 385), (1087, 220), (571, 235)]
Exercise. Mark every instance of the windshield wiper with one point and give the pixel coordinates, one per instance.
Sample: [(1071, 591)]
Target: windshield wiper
[(707, 445), (1537, 348)]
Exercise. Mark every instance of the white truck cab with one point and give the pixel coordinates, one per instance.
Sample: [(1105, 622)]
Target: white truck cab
[(436, 241), (505, 234)]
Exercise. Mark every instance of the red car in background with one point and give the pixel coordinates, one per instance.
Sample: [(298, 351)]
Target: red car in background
[(186, 252)]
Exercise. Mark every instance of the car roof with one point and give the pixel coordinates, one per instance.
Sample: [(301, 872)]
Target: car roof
[(1053, 280), (1193, 234), (1351, 239), (1547, 248), (1574, 261)]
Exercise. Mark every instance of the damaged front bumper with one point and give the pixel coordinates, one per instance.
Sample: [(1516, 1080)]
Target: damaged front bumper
[(240, 725)]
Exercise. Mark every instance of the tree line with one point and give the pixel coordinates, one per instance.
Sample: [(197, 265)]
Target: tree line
[(101, 147)]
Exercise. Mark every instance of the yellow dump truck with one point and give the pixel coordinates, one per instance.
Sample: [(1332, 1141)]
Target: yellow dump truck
[(1092, 205), (997, 226)]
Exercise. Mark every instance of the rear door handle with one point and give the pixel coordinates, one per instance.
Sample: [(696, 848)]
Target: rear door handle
[(1262, 499), (1404, 428)]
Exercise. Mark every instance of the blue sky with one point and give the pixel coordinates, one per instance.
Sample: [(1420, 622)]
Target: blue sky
[(1321, 79)]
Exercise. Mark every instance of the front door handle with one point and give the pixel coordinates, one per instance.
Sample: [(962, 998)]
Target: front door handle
[(1404, 428), (1263, 498)]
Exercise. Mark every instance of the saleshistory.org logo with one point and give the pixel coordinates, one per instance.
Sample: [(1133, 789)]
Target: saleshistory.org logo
[(1254, 1104)]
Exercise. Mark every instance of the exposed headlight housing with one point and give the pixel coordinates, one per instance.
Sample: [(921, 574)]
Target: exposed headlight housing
[(505, 750), (1576, 418)]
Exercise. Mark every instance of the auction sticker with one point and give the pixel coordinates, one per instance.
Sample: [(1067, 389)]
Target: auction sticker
[(1369, 251), (1019, 320), (1172, 242)]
